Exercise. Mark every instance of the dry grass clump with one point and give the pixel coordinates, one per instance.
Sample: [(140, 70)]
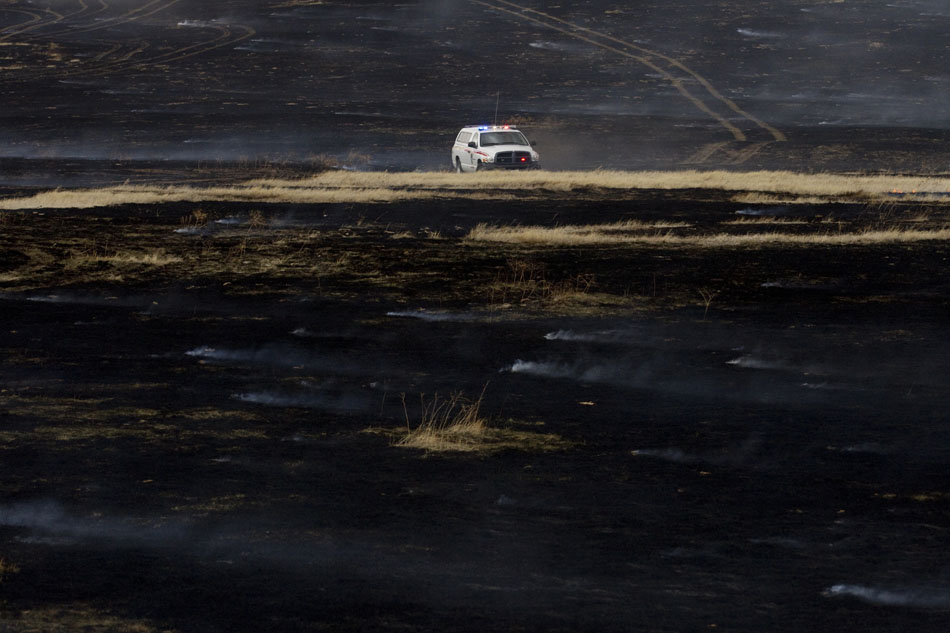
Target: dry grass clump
[(7, 568), (456, 424), (381, 187), (256, 220), (446, 424), (523, 281)]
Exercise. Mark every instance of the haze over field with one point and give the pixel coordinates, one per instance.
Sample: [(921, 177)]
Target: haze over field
[(267, 364), (597, 83)]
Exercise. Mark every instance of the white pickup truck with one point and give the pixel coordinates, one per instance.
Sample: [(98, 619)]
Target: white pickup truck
[(493, 147)]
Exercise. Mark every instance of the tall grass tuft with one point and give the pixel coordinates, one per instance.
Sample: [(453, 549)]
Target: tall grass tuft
[(453, 423)]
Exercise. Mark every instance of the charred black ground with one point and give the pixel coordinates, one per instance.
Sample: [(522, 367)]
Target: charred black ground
[(200, 404), (856, 86), (753, 439)]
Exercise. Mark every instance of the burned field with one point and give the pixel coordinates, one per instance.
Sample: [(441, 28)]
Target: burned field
[(110, 91), (265, 367), (209, 410)]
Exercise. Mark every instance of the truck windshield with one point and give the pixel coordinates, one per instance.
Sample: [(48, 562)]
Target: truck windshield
[(503, 138)]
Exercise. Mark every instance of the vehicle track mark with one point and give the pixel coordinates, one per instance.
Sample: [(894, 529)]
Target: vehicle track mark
[(226, 37), (57, 18), (101, 56), (676, 82), (83, 12), (748, 152), (650, 58), (101, 64), (147, 10), (140, 49), (9, 31), (706, 152)]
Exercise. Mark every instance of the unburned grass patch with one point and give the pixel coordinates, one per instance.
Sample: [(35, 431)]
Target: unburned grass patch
[(602, 235), (341, 186), (573, 235), (455, 423)]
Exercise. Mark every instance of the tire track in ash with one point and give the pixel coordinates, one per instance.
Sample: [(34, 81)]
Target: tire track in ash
[(116, 46), (671, 69), (705, 153), (735, 156), (246, 32), (226, 37), (131, 15), (104, 54), (36, 20), (150, 9), (84, 11), (58, 18)]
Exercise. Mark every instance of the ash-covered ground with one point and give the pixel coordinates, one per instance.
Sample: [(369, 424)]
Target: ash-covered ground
[(805, 85), (200, 404), (744, 439)]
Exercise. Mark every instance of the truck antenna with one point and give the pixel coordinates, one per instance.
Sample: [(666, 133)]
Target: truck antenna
[(497, 99)]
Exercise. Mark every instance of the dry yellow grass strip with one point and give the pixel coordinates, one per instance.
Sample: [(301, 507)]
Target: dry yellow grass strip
[(763, 181), (76, 616), (570, 236), (822, 239), (155, 257), (382, 187), (113, 196)]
